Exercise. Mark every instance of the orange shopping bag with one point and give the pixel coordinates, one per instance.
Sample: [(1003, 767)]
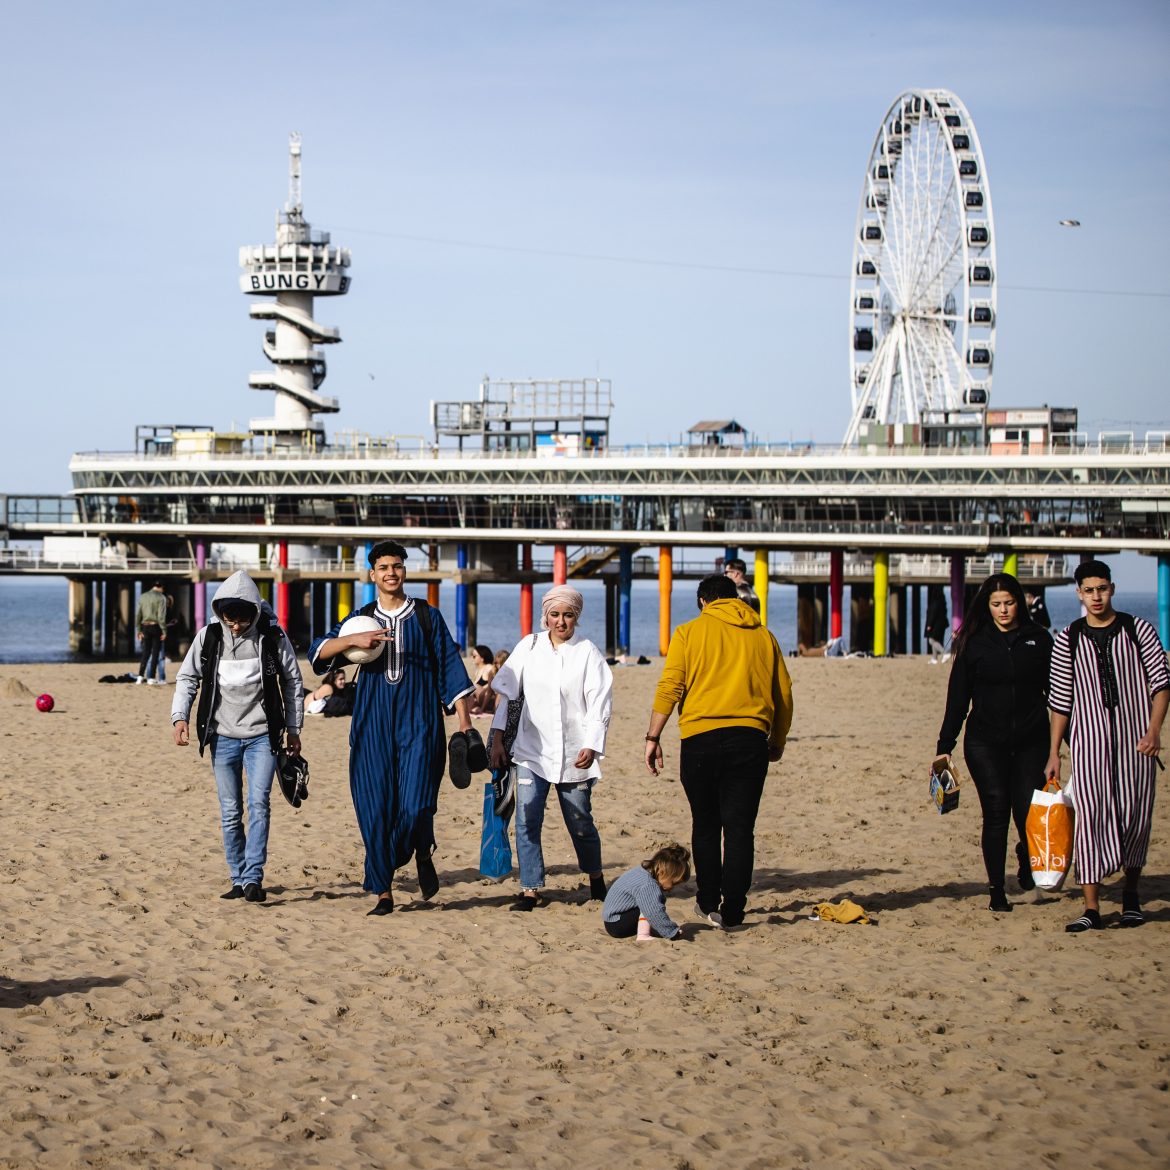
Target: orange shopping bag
[(1050, 836)]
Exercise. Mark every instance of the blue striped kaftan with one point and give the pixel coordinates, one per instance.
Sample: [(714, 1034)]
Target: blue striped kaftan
[(397, 746)]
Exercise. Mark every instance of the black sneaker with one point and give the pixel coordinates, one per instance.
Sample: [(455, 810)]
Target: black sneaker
[(457, 752), (597, 890), (234, 892), (254, 892)]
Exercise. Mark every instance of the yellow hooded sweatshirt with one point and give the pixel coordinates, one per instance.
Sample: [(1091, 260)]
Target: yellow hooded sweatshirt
[(725, 669)]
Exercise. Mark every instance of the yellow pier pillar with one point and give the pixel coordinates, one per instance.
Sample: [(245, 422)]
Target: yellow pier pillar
[(1011, 564), (881, 603), (760, 583), (345, 588)]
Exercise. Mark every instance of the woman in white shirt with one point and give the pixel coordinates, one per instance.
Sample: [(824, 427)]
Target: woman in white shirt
[(567, 690)]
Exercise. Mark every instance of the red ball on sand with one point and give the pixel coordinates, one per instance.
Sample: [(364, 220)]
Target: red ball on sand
[(44, 702)]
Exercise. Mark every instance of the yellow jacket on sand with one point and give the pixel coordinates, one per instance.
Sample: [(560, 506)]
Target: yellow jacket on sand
[(725, 669)]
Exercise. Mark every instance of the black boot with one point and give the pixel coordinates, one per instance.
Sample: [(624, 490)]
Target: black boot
[(999, 902), (1024, 873)]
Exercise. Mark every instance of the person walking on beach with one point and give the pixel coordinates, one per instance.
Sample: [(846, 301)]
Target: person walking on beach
[(150, 619), (244, 670), (1000, 676), (736, 571), (726, 674), (396, 748), (1109, 692), (567, 689)]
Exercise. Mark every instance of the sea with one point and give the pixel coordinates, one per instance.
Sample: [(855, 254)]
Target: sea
[(34, 624)]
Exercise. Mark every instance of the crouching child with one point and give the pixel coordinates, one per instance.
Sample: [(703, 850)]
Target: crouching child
[(244, 669), (640, 894)]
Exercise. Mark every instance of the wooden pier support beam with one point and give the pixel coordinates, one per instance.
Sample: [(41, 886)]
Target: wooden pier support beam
[(860, 617), (806, 615), (881, 600), (897, 619), (665, 585), (126, 640)]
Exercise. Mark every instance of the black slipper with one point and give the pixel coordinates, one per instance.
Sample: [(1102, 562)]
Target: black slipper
[(1131, 911), (457, 752), (254, 892), (527, 902), (428, 879), (1090, 920), (382, 906), (234, 892), (477, 757)]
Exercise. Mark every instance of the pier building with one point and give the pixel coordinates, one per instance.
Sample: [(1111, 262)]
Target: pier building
[(522, 484)]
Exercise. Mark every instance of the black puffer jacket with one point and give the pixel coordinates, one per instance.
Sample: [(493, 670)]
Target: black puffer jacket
[(1003, 680)]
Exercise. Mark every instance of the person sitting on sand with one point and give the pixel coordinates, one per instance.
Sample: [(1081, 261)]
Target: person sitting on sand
[(641, 893), (334, 697), (482, 700), (833, 648)]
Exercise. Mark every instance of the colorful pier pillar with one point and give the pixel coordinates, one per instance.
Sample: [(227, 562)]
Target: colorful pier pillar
[(526, 592), (836, 592), (665, 585), (282, 585), (433, 586), (761, 583), (345, 588), (369, 590), (881, 603), (560, 564), (958, 590), (625, 590), (1164, 599), (1011, 564), (200, 585), (461, 599)]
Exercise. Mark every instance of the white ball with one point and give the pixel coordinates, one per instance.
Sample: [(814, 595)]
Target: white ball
[(359, 624)]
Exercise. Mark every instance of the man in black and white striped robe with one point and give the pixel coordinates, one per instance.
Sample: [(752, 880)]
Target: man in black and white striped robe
[(1109, 688)]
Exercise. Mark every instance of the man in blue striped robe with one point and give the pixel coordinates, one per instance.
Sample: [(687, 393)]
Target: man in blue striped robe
[(397, 745)]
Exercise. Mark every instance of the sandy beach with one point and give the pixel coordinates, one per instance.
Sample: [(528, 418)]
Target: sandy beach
[(144, 1022)]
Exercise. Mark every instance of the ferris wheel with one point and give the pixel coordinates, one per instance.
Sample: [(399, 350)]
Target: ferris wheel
[(922, 299)]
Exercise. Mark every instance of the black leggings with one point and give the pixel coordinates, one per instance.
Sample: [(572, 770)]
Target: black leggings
[(626, 925), (1005, 777)]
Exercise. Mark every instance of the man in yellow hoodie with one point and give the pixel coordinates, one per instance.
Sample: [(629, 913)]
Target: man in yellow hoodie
[(726, 674)]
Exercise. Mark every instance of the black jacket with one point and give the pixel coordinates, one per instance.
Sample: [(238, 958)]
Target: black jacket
[(1003, 680)]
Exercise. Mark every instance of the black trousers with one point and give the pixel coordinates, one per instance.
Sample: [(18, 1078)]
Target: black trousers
[(1005, 777), (151, 648), (723, 773)]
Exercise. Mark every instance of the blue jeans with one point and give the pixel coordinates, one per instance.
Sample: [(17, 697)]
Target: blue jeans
[(230, 759), (576, 808)]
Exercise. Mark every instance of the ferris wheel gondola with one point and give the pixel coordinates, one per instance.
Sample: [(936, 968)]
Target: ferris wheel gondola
[(922, 298)]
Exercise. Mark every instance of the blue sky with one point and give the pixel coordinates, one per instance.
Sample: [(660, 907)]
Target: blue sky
[(145, 143)]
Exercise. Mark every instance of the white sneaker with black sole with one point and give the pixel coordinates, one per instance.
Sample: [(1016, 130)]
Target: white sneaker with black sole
[(714, 919)]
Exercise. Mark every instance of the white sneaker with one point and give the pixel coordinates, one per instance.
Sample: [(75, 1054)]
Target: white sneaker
[(152, 682), (139, 680), (714, 919)]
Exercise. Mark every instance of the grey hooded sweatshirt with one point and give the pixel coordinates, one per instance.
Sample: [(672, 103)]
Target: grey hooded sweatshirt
[(240, 710)]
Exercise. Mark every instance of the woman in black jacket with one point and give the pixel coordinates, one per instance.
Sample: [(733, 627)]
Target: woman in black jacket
[(1000, 674)]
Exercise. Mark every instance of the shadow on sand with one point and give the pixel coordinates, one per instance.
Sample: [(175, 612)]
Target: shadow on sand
[(18, 993)]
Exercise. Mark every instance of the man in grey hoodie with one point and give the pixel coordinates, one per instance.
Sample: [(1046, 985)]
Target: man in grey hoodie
[(245, 671)]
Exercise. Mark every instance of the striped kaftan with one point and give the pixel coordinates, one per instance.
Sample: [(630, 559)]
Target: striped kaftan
[(396, 743), (1113, 784)]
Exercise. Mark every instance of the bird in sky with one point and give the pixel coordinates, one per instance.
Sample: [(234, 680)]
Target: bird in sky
[(1070, 223)]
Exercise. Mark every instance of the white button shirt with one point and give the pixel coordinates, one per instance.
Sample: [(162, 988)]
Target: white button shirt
[(568, 698)]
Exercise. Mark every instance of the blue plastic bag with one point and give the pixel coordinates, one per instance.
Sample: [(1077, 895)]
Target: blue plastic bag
[(495, 851)]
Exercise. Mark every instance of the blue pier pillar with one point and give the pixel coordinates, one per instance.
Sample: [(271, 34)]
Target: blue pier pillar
[(369, 590), (625, 588), (461, 599), (1164, 599), (730, 553)]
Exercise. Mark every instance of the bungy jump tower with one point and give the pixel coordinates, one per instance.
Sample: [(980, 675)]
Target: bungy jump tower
[(299, 267)]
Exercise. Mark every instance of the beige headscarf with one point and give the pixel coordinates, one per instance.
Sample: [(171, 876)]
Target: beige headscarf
[(562, 597)]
